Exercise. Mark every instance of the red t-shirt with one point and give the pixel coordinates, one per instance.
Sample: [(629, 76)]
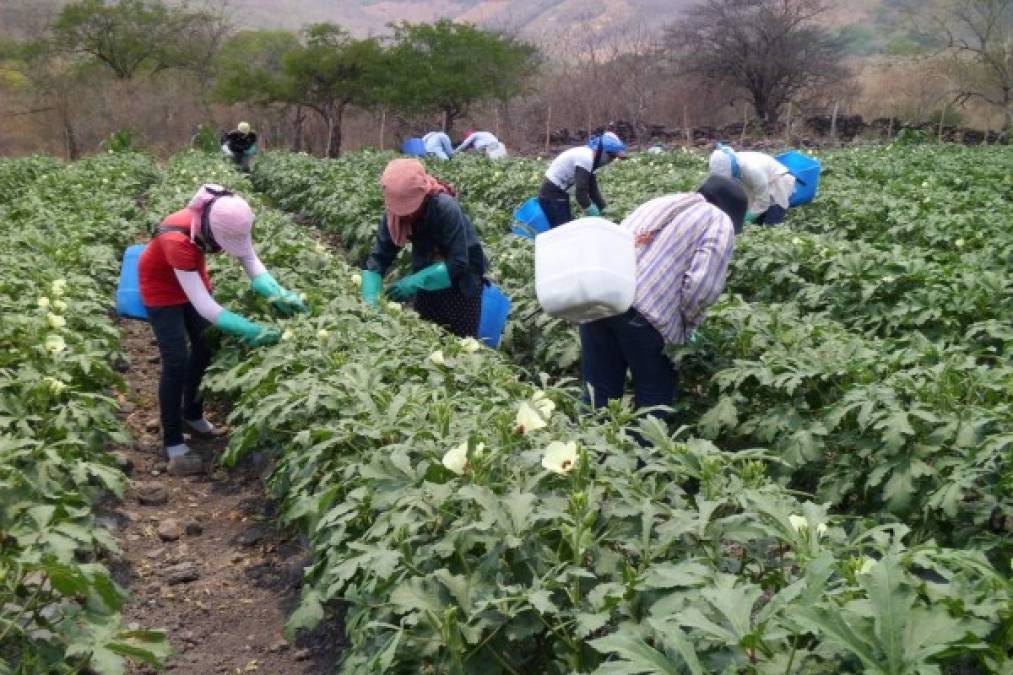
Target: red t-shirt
[(163, 255)]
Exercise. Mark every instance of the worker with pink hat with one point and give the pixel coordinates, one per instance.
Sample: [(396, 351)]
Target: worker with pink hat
[(448, 264), (176, 292)]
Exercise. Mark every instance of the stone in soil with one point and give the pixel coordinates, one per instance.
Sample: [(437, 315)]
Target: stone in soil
[(182, 573), (278, 646), (251, 536), (152, 424), (302, 654), (169, 530), (152, 494), (193, 528)]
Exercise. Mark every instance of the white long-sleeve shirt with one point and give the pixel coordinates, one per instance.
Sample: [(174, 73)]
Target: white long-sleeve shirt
[(197, 293), (480, 140), (765, 179)]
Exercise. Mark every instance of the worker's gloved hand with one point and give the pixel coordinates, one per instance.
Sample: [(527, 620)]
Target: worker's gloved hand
[(693, 339), (432, 278), (592, 210), (750, 217), (250, 333), (372, 285), (285, 302), (251, 151)]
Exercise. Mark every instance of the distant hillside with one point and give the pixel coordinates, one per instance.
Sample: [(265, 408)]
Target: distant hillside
[(538, 20)]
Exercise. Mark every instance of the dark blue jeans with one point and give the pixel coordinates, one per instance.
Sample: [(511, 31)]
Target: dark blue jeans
[(773, 216), (610, 347), (557, 211), (183, 368)]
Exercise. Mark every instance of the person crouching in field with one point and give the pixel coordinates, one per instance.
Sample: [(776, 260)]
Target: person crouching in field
[(438, 145), (768, 183), (575, 169), (484, 142), (241, 145), (448, 264), (684, 243), (176, 292)]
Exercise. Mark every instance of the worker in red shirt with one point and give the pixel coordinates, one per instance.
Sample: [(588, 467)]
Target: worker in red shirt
[(177, 295)]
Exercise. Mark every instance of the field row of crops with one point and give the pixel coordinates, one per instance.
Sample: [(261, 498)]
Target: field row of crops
[(63, 232), (894, 412), (471, 520), (877, 371)]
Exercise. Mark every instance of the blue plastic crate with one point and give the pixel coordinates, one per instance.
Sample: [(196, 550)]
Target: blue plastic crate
[(128, 293), (807, 176), (414, 147), (493, 317), (530, 220)]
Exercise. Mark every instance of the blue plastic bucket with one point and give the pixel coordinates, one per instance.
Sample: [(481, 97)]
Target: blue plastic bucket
[(529, 219), (493, 318), (128, 293), (807, 176), (415, 147)]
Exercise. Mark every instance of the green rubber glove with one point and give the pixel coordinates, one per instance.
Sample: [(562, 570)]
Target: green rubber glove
[(432, 278), (693, 339), (750, 217), (592, 210), (250, 333), (372, 284), (252, 150), (284, 302)]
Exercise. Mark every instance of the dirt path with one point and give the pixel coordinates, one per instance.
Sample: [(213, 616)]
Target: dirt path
[(201, 556)]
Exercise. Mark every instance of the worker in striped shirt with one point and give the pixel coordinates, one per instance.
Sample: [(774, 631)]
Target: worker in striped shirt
[(684, 243)]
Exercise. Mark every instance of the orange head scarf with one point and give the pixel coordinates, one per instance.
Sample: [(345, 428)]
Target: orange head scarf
[(406, 185)]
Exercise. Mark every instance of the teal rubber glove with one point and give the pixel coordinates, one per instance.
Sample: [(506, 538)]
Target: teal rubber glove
[(693, 339), (284, 302), (750, 217), (251, 151), (432, 278), (372, 284), (592, 210), (250, 333)]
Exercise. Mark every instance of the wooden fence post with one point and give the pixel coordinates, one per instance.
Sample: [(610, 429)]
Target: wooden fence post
[(787, 127), (685, 126), (942, 118), (383, 126), (745, 123), (548, 127), (833, 122)]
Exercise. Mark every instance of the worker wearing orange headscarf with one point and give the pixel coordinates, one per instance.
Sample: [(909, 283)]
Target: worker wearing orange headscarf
[(448, 264)]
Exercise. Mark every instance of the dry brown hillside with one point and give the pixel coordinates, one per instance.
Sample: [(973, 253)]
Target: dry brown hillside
[(538, 20)]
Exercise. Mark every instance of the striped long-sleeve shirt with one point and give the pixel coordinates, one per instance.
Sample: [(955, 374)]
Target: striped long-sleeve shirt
[(684, 245)]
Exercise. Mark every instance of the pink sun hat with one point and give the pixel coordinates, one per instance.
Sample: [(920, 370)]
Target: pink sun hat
[(231, 219)]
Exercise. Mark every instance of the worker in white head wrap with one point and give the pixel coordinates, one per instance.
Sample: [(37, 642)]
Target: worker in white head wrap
[(768, 183)]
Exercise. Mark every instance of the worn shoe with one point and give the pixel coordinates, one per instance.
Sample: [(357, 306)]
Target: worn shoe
[(204, 429)]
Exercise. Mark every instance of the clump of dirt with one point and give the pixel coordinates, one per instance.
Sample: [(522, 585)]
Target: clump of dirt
[(201, 556)]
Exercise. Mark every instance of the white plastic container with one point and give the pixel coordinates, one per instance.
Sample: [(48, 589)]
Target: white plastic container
[(585, 270)]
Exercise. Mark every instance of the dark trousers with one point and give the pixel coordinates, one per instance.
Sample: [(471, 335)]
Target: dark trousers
[(452, 309), (610, 347), (557, 210), (773, 216), (182, 367)]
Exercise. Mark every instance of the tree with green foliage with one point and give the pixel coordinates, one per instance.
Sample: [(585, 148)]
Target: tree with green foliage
[(447, 67), (135, 36), (251, 70), (332, 71)]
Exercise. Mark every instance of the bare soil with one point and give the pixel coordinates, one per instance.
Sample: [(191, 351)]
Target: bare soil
[(248, 572)]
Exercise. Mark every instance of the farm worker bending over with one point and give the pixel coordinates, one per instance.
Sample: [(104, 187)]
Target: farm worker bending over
[(483, 141), (177, 294), (575, 169), (768, 183), (241, 145), (438, 145), (684, 243), (448, 263)]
